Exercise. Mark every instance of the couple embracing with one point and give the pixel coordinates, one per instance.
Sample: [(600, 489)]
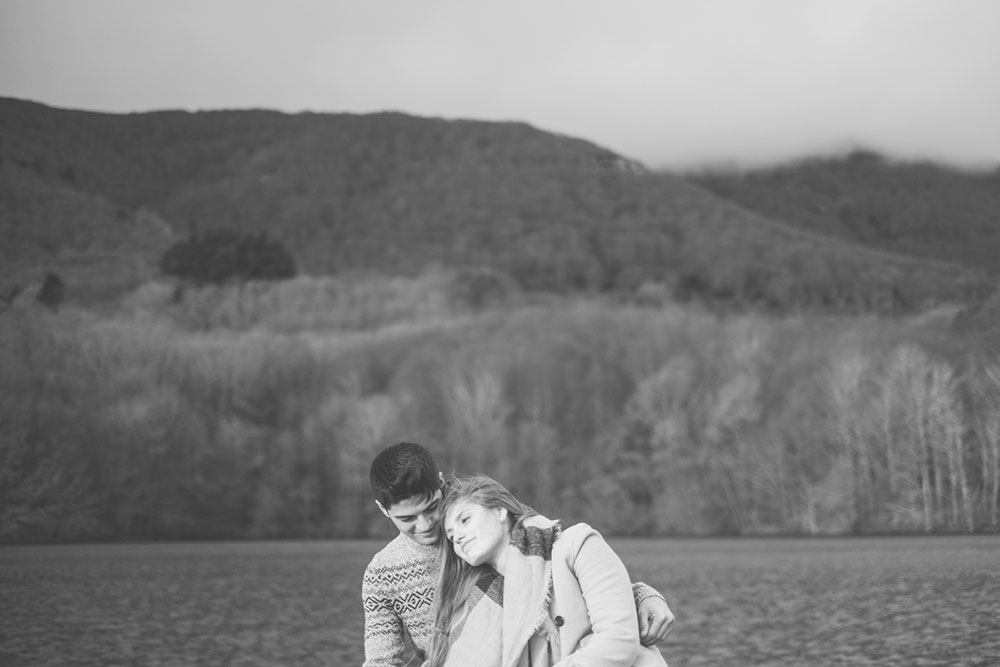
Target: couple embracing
[(478, 579)]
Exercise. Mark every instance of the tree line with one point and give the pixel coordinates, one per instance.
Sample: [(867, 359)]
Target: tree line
[(666, 420)]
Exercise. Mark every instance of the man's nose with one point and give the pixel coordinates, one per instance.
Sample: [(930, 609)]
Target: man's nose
[(423, 523)]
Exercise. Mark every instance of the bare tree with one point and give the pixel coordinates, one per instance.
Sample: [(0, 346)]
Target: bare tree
[(849, 428), (985, 389)]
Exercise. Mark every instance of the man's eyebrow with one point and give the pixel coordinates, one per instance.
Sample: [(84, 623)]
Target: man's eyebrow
[(429, 505)]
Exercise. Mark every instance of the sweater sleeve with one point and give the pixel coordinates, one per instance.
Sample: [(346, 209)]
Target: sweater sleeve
[(641, 591), (610, 607), (385, 640)]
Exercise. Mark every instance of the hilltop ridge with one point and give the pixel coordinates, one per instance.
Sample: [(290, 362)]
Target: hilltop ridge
[(100, 196)]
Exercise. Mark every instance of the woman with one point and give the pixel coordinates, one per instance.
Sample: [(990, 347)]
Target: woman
[(516, 590)]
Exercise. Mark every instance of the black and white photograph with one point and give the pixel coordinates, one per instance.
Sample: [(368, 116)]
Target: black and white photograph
[(548, 333)]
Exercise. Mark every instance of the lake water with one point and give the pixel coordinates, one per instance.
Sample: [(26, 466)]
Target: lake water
[(862, 601)]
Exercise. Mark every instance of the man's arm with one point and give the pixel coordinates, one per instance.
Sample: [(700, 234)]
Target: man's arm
[(385, 639), (655, 618)]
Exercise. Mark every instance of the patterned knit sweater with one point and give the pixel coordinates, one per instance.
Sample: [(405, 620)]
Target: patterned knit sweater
[(398, 596)]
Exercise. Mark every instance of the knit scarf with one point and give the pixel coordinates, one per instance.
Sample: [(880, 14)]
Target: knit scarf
[(504, 612)]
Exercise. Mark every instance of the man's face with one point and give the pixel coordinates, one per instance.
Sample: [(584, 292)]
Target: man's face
[(418, 518)]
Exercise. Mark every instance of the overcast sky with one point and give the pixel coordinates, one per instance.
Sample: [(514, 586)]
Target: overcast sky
[(673, 83)]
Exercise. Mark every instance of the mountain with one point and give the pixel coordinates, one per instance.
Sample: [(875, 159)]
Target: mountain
[(101, 196), (914, 208)]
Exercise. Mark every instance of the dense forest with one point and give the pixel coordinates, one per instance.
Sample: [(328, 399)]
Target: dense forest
[(254, 411), (617, 345)]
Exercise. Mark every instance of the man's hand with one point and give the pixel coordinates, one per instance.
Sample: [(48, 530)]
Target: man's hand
[(655, 620)]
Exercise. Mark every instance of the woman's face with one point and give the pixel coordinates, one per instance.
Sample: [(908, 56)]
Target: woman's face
[(479, 534)]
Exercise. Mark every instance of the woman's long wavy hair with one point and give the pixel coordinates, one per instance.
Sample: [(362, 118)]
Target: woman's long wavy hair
[(457, 578)]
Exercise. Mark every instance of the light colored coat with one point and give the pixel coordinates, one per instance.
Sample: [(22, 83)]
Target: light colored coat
[(564, 601), (592, 604)]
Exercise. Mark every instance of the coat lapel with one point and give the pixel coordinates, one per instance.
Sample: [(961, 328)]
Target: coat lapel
[(527, 590)]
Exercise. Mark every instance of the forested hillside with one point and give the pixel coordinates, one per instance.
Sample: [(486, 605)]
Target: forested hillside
[(619, 346), (255, 412), (100, 195), (912, 208)]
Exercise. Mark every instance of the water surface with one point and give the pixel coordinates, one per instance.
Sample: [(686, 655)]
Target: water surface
[(863, 601)]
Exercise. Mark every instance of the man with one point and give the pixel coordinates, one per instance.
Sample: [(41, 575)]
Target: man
[(399, 582)]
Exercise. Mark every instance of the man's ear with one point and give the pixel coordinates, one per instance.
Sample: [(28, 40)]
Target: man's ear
[(441, 477), (384, 510)]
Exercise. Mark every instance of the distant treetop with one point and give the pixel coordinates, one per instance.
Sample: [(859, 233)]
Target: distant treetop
[(220, 256)]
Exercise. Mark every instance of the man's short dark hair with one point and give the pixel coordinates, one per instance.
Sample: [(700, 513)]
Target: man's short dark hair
[(401, 471)]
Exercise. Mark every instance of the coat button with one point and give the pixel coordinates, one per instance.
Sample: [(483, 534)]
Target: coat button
[(558, 620)]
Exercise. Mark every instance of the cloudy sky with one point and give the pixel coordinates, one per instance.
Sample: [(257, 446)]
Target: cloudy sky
[(673, 83)]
